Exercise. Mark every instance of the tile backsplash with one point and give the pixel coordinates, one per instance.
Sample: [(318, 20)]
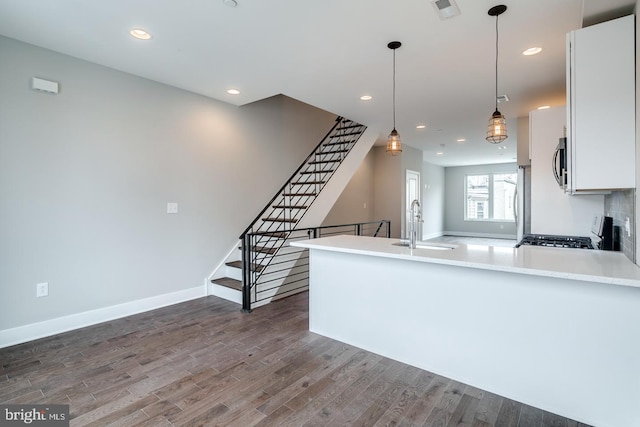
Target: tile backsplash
[(621, 205)]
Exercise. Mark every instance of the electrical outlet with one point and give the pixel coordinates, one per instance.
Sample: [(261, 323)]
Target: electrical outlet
[(42, 289), (627, 227)]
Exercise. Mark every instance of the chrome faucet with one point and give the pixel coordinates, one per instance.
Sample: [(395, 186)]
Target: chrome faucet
[(416, 217)]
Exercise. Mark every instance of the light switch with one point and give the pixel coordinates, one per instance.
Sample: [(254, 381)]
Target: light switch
[(172, 208)]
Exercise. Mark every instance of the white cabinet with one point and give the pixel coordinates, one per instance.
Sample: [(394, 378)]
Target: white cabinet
[(601, 96), (552, 210)]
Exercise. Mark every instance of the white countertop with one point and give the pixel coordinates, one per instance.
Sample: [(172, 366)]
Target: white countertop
[(578, 264)]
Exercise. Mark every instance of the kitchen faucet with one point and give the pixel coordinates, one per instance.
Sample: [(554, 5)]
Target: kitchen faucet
[(416, 217)]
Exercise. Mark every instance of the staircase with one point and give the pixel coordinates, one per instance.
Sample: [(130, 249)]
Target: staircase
[(263, 267)]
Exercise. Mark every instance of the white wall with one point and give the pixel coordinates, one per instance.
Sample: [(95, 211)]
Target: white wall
[(411, 160), (432, 200), (85, 177)]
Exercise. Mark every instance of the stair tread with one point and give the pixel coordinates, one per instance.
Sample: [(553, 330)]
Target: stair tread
[(238, 264), (338, 142), (228, 282), (314, 172), (298, 194), (307, 182), (289, 207), (316, 162), (265, 250), (276, 234), (280, 219), (325, 153)]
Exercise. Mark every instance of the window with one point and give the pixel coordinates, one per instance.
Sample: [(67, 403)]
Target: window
[(490, 197)]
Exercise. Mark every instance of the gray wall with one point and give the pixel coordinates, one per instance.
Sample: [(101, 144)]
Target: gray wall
[(411, 160), (454, 203), (355, 204), (85, 177), (433, 200), (380, 177), (388, 183)]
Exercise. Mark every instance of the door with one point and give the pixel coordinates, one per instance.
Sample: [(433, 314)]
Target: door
[(412, 193)]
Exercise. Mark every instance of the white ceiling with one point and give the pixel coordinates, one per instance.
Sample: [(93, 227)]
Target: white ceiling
[(328, 53)]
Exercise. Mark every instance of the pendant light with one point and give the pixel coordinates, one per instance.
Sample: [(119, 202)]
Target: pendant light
[(497, 130), (394, 145)]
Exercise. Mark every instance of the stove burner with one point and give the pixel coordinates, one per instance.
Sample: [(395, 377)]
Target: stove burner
[(576, 242)]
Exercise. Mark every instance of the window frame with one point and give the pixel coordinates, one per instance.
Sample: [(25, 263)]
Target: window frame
[(490, 199)]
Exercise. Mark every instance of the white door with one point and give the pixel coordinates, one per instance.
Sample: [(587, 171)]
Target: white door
[(412, 193)]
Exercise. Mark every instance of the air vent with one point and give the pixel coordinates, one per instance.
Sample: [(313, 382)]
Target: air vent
[(446, 8), (503, 98)]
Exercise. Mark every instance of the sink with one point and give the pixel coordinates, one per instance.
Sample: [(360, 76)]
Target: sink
[(425, 245)]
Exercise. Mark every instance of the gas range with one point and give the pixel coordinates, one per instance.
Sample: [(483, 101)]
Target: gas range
[(576, 242)]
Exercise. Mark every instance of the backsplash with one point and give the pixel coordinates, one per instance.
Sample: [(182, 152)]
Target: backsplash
[(621, 205)]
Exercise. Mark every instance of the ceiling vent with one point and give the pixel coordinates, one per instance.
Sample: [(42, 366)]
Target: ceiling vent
[(446, 8), (503, 98)]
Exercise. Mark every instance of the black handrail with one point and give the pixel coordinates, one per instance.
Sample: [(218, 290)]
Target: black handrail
[(303, 164)]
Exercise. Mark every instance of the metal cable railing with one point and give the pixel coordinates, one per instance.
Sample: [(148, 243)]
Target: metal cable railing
[(275, 223), (287, 271)]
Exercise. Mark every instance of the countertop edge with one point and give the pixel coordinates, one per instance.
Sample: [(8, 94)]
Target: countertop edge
[(422, 256)]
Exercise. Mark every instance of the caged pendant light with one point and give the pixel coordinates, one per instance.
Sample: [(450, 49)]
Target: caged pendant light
[(497, 130), (394, 145)]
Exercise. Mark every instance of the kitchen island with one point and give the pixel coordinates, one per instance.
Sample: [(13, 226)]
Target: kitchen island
[(555, 328)]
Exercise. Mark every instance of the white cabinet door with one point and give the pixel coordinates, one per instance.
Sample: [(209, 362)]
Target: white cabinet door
[(601, 96)]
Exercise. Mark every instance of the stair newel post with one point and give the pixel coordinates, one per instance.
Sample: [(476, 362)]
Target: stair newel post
[(246, 273), (358, 229)]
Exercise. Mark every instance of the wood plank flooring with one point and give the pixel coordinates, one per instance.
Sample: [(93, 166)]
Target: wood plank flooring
[(203, 362)]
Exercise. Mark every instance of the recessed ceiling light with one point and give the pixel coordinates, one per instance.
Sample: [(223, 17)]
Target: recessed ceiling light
[(439, 153), (421, 126), (233, 92), (502, 147), (532, 51), (230, 3), (140, 34), (461, 140), (544, 107), (366, 97)]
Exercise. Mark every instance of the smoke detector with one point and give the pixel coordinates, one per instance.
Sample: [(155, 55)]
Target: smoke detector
[(446, 8)]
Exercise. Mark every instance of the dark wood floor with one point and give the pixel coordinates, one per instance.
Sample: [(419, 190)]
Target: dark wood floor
[(204, 362)]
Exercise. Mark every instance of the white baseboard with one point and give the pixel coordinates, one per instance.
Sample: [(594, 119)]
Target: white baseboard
[(432, 235), (22, 334)]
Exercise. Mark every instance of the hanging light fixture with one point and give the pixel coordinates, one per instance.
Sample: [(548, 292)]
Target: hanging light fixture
[(394, 145), (497, 131)]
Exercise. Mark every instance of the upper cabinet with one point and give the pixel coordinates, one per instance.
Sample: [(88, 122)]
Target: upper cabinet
[(601, 107)]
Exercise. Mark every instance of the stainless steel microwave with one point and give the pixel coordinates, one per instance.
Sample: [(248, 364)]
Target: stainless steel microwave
[(560, 163)]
